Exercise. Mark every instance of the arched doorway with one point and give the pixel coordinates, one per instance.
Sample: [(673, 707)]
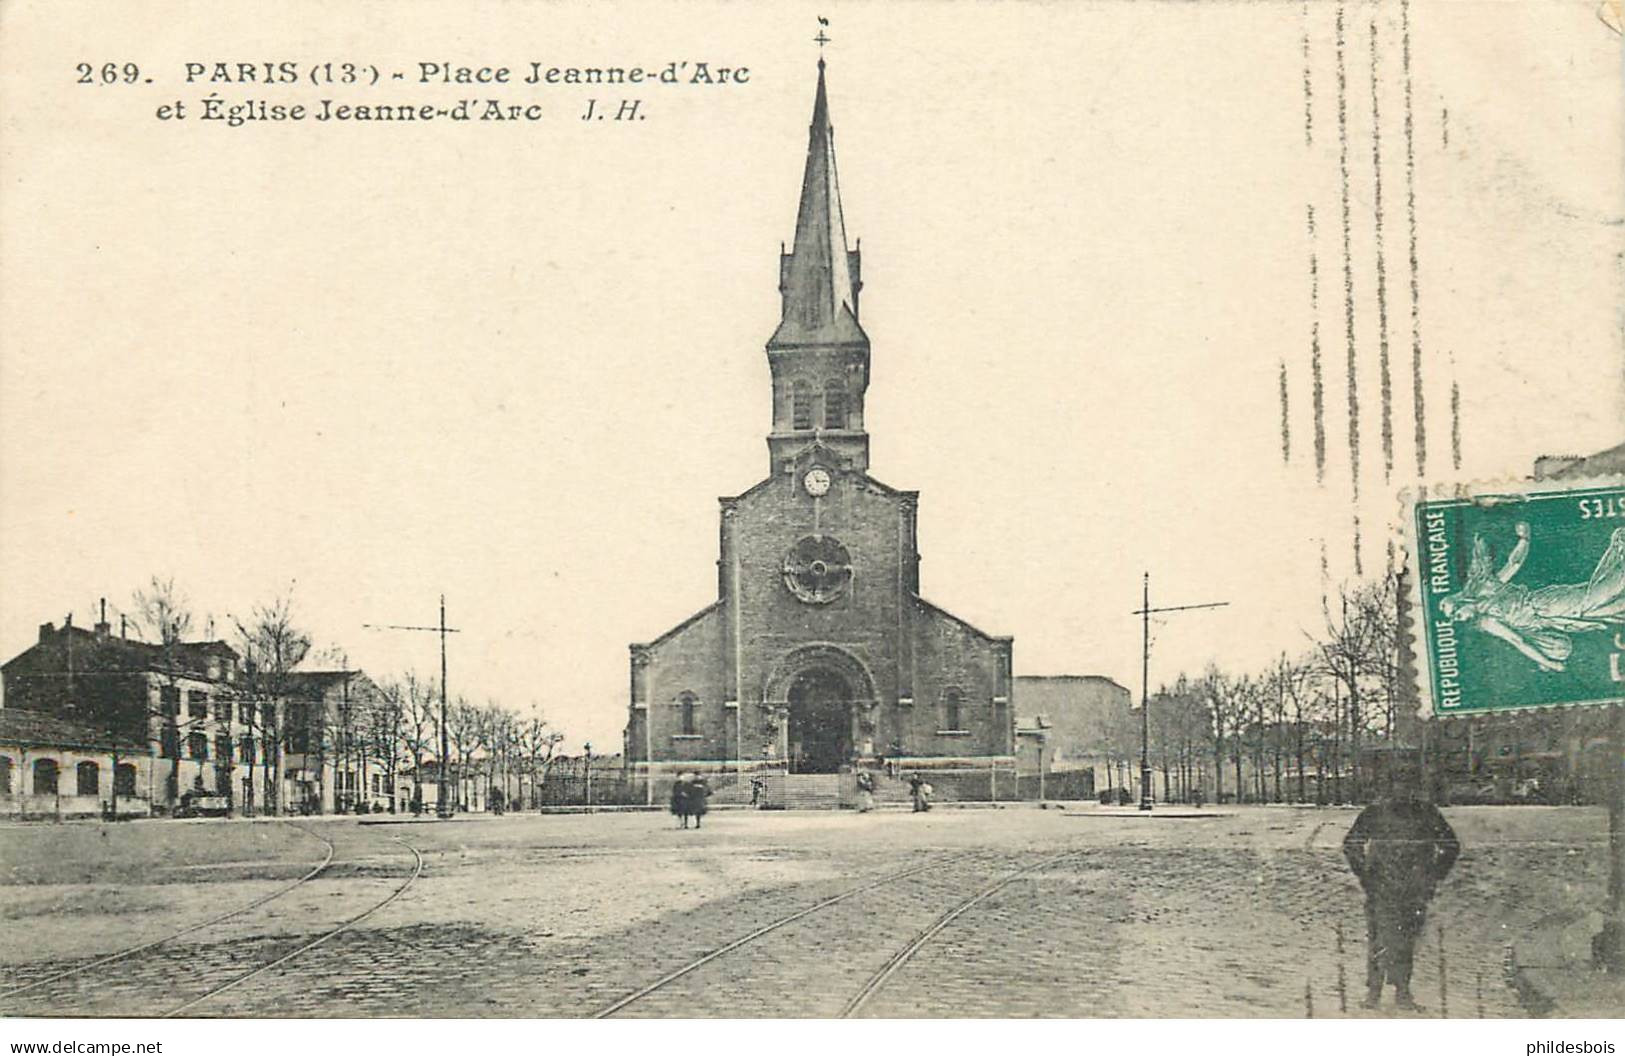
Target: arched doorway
[(820, 726)]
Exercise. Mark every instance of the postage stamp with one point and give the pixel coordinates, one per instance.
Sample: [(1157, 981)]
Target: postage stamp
[(1521, 597)]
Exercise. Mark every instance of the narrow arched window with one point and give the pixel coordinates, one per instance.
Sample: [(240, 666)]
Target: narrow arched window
[(953, 709), (688, 714), (801, 405), (124, 779), (5, 774), (89, 779), (44, 777), (834, 404)]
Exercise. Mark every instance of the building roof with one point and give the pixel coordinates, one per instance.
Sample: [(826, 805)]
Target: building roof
[(1036, 696), (33, 729), (101, 652), (321, 680)]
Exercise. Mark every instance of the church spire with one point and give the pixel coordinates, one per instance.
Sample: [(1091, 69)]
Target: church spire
[(818, 278), (819, 355)]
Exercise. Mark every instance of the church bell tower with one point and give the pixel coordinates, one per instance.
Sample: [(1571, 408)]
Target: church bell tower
[(819, 355)]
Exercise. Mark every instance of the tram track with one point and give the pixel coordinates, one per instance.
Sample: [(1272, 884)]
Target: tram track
[(417, 871), (744, 944), (930, 931), (745, 940), (231, 968), (132, 951)]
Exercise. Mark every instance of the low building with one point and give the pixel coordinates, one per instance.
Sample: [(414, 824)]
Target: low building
[(468, 789), (180, 701), (342, 744), (1080, 723), (50, 767)]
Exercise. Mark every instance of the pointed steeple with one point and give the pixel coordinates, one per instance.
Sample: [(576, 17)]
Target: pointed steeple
[(819, 355), (818, 278)]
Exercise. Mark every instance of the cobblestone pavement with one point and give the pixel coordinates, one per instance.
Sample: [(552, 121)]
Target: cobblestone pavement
[(365, 868), (1247, 914)]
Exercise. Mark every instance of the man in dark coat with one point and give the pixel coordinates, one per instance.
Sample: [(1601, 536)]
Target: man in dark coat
[(1399, 848), (698, 792), (679, 799)]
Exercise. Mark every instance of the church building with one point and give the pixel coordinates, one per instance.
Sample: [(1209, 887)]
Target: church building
[(819, 655)]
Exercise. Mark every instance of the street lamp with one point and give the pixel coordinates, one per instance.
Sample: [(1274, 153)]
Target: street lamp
[(587, 747)]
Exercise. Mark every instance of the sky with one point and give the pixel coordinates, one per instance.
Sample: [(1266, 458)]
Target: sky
[(517, 365)]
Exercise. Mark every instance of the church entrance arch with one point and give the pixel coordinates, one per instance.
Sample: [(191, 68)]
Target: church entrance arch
[(826, 697), (820, 727)]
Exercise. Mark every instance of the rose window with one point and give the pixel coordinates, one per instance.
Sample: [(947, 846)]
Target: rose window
[(817, 569)]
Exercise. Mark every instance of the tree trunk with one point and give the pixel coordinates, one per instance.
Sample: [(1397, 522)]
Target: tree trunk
[(1303, 792)]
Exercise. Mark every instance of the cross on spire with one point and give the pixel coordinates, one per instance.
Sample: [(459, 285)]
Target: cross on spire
[(822, 38)]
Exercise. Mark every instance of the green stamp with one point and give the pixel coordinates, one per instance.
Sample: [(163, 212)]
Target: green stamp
[(1521, 598)]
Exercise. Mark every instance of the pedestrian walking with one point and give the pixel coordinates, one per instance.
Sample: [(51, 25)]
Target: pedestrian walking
[(680, 799), (755, 791), (866, 791), (698, 792), (920, 790), (1400, 848)]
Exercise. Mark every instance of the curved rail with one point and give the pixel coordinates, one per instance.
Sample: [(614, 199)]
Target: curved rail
[(903, 956), (133, 950), (417, 870), (744, 940)]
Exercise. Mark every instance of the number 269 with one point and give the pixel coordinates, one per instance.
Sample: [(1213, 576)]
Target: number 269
[(108, 73)]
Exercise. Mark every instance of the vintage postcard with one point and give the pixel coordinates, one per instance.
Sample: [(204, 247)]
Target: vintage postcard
[(713, 511)]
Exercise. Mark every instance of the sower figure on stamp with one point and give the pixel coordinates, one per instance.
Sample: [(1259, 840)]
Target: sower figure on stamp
[(1400, 848)]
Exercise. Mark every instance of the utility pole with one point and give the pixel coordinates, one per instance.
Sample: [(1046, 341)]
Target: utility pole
[(1144, 612), (442, 808)]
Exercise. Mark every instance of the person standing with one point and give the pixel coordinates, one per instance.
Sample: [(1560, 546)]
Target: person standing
[(920, 792), (866, 791), (1399, 848), (698, 792), (680, 799)]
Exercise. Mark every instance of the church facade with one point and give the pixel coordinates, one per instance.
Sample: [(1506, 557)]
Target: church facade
[(819, 654)]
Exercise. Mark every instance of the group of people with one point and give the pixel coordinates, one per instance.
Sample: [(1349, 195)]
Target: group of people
[(920, 791), (688, 795)]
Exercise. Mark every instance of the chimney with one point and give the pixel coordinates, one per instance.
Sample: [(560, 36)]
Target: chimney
[(46, 629), (123, 627), (102, 626)]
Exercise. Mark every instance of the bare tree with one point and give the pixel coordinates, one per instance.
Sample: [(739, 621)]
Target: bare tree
[(162, 611), (386, 730), (272, 646), (463, 722), (1292, 681), (540, 746), (1224, 707), (420, 729), (1358, 648)]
